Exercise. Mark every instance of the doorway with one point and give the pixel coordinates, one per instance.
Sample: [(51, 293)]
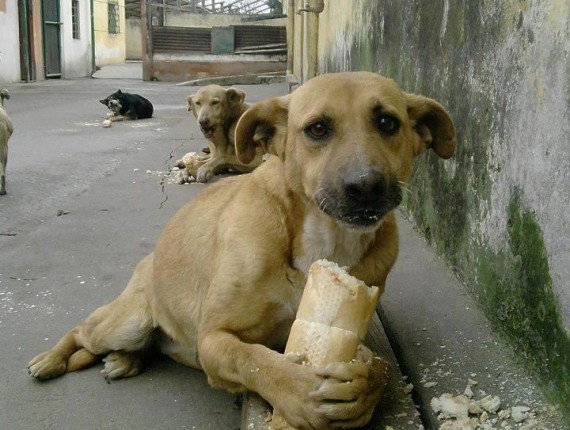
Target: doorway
[(52, 38)]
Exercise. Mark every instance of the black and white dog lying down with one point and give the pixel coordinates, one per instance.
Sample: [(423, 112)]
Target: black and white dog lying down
[(125, 106)]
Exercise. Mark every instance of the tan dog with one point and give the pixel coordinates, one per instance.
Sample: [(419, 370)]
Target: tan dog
[(6, 130), (343, 146), (217, 111)]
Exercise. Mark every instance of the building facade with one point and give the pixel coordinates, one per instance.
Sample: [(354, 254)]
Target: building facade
[(52, 39)]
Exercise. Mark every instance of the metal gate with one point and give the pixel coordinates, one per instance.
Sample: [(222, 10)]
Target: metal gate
[(52, 38)]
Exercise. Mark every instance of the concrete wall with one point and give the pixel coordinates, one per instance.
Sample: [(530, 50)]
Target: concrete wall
[(9, 42), (76, 53), (109, 48), (133, 39), (499, 212), (173, 67), (187, 19)]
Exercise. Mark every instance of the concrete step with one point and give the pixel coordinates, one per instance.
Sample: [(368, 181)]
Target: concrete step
[(445, 344)]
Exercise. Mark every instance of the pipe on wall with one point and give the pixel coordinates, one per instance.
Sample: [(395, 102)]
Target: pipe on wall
[(311, 29), (93, 65), (290, 36)]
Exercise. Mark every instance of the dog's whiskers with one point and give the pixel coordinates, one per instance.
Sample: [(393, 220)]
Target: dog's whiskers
[(404, 187), (323, 204)]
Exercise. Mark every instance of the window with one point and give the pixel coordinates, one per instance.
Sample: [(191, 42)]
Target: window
[(75, 18), (113, 15)]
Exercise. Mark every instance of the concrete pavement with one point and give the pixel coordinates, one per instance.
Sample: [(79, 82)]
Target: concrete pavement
[(54, 270), (85, 204)]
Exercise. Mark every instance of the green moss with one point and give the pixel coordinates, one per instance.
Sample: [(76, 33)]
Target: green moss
[(520, 301), (456, 67)]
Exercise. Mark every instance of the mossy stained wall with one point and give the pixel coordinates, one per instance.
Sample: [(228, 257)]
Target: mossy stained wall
[(499, 211)]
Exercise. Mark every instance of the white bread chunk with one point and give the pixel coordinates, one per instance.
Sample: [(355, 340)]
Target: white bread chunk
[(320, 344), (333, 315), (332, 319), (192, 161)]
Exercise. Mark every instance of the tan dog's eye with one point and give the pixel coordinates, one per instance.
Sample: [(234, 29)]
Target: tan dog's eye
[(215, 102), (318, 130), (388, 124), (197, 103)]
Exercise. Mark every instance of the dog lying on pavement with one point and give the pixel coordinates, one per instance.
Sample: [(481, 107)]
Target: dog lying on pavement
[(6, 130), (126, 106), (342, 149), (217, 111)]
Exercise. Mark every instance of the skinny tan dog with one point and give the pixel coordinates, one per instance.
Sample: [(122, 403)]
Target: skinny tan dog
[(217, 111), (6, 130), (343, 146)]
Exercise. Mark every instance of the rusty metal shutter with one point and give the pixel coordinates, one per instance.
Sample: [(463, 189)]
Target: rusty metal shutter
[(181, 40), (255, 35)]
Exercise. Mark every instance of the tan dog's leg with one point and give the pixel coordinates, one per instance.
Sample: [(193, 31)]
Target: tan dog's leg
[(5, 132), (3, 162), (214, 166), (122, 328), (308, 398), (218, 162)]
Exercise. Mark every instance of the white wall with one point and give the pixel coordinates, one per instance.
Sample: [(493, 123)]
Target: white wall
[(76, 53), (109, 48), (188, 19), (9, 43), (133, 39)]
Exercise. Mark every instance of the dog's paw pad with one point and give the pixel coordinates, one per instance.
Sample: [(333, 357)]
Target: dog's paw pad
[(120, 364), (107, 123), (47, 366)]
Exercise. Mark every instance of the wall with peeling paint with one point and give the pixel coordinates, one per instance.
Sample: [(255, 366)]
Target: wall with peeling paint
[(499, 212), (109, 48)]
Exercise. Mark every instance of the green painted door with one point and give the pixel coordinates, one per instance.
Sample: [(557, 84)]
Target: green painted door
[(52, 38)]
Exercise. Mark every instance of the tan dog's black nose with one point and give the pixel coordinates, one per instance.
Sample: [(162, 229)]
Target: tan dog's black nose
[(364, 187)]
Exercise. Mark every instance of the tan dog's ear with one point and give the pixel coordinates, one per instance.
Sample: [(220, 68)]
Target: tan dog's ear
[(235, 96), (433, 126), (190, 101), (263, 125)]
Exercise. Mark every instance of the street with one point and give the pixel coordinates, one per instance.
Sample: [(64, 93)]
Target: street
[(84, 205)]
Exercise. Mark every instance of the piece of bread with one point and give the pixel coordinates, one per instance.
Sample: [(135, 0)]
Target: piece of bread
[(332, 319), (191, 161)]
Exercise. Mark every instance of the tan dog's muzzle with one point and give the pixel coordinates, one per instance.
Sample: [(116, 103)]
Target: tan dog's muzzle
[(360, 198)]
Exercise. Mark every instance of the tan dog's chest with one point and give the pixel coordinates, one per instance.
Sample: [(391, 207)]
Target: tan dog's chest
[(322, 239)]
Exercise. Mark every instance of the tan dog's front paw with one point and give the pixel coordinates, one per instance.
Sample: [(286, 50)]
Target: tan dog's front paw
[(351, 391), (204, 174), (338, 395), (121, 364), (47, 365)]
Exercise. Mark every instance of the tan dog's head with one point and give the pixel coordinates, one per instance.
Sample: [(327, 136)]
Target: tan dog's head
[(215, 106), (347, 142)]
